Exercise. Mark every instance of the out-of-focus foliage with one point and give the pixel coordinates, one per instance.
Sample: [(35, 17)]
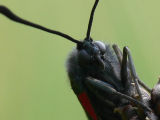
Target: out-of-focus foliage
[(33, 78)]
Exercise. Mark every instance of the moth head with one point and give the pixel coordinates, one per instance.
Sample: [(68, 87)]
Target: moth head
[(92, 53)]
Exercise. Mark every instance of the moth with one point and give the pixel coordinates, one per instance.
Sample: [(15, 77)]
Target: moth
[(104, 78)]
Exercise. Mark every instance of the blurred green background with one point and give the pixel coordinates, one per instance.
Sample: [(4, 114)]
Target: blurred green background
[(33, 79)]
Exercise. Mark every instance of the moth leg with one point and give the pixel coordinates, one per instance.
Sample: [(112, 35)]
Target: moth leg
[(101, 97), (125, 73), (144, 86), (133, 71), (126, 53), (126, 77), (118, 53), (100, 85), (119, 56)]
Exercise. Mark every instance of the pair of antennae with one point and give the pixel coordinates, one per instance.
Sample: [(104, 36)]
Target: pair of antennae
[(8, 13)]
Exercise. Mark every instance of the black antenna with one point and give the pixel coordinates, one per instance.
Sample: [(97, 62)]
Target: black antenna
[(8, 13), (91, 20)]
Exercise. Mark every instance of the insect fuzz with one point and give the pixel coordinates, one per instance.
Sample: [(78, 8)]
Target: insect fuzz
[(104, 78)]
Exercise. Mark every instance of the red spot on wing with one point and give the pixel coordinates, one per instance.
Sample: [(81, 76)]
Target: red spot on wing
[(83, 98)]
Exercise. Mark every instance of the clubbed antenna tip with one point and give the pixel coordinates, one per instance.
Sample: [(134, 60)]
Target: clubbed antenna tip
[(9, 14)]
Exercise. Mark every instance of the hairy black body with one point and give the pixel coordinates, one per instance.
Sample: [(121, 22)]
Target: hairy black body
[(111, 75), (78, 73)]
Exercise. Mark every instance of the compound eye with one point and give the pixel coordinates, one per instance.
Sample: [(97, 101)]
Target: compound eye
[(83, 57), (101, 46)]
